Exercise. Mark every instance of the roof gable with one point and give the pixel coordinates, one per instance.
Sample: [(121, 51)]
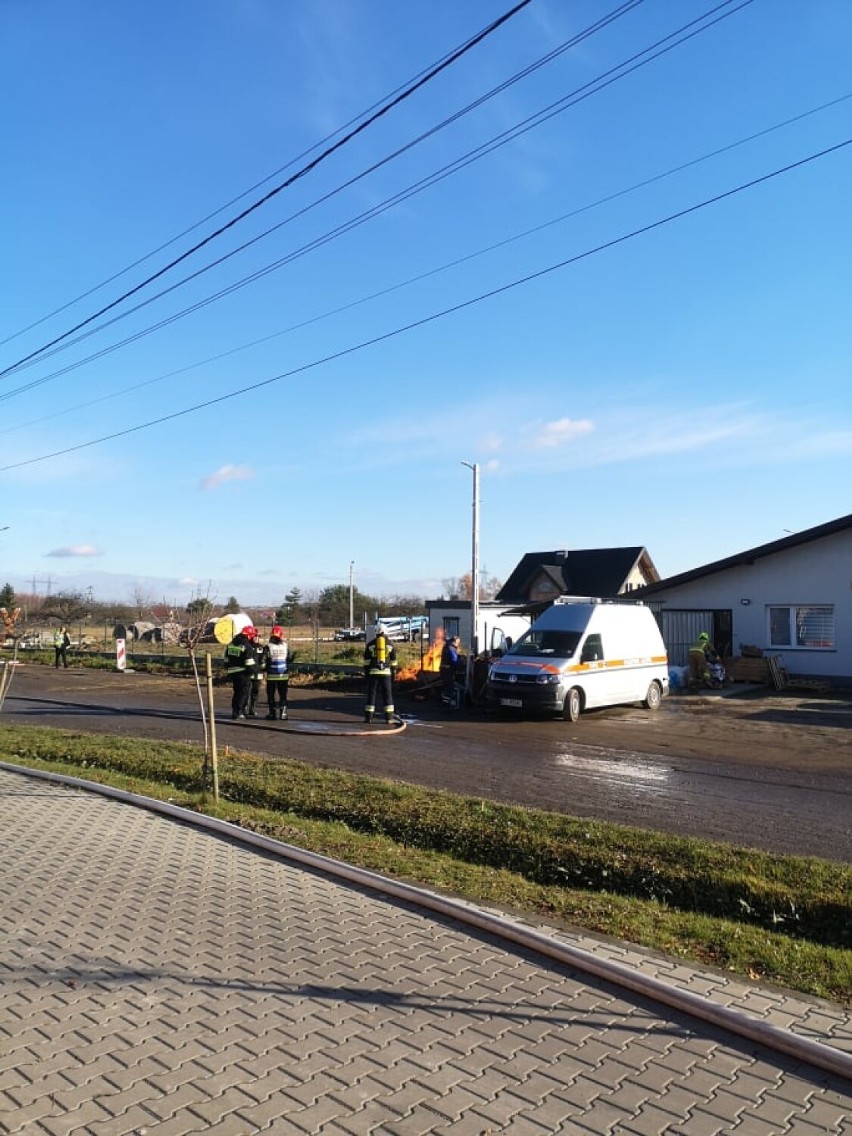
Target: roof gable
[(603, 572)]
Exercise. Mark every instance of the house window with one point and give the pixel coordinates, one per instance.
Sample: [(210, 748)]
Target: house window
[(808, 627), (451, 626), (543, 589)]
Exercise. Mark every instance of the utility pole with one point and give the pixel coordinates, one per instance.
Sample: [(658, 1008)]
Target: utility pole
[(351, 594), (474, 566)]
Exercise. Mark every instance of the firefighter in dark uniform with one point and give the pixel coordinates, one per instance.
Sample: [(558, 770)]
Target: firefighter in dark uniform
[(379, 667), (240, 663), (275, 665), (257, 671), (700, 653)]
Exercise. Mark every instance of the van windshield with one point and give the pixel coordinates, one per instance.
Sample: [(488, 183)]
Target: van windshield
[(549, 644)]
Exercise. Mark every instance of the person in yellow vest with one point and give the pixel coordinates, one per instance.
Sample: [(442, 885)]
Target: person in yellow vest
[(61, 643), (702, 654), (240, 664), (379, 667)]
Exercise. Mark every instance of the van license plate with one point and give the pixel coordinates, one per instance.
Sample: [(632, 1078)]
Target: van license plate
[(516, 702)]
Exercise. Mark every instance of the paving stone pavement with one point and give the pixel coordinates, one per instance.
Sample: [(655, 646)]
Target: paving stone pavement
[(160, 980)]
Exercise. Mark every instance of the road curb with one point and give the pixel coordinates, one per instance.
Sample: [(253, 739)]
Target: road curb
[(781, 1040)]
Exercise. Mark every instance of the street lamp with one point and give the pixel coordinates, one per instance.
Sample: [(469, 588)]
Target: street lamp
[(474, 566), (351, 595)]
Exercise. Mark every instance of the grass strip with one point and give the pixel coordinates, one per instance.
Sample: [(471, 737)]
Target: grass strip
[(401, 831)]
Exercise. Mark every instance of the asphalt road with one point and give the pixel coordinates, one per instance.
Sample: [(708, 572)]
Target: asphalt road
[(767, 771)]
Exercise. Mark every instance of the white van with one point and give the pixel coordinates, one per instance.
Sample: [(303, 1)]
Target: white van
[(581, 653)]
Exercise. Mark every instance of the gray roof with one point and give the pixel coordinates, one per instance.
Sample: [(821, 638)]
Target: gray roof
[(580, 572)]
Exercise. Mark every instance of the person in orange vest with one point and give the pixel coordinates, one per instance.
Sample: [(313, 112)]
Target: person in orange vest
[(379, 667)]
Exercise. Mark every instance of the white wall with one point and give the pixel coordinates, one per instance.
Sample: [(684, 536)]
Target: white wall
[(819, 572), (512, 626)]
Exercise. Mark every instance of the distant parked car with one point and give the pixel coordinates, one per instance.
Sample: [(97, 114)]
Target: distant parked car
[(349, 634)]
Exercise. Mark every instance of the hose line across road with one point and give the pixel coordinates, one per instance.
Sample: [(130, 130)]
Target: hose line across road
[(167, 973), (764, 771)]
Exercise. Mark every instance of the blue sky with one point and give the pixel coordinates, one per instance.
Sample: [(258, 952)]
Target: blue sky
[(686, 388)]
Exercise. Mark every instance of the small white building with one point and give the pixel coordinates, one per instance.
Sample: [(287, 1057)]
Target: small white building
[(792, 597), (453, 617)]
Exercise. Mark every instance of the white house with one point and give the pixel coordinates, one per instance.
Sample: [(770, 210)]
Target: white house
[(792, 597)]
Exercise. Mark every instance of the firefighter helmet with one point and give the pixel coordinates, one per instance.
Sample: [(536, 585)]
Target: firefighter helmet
[(250, 632), (278, 631)]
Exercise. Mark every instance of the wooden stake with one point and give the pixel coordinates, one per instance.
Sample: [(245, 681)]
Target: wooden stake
[(211, 715)]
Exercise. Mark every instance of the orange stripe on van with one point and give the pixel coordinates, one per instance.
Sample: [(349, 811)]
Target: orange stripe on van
[(612, 664)]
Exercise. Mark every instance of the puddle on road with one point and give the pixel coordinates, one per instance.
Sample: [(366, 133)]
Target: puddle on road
[(604, 764)]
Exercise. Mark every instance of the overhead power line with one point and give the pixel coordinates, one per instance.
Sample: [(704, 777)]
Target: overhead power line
[(64, 342), (634, 62), (221, 209), (425, 275), (434, 316), (395, 101)]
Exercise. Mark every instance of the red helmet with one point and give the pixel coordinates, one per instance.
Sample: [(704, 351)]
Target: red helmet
[(278, 631), (250, 632)]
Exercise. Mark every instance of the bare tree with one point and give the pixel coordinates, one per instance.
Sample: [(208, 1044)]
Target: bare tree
[(454, 587), (66, 607), (141, 601), (458, 587), (195, 617), (489, 586)]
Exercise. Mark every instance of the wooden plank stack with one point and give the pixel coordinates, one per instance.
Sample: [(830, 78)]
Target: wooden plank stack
[(767, 670), (746, 669)]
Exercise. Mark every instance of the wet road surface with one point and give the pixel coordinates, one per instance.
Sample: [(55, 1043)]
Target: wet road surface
[(768, 771)]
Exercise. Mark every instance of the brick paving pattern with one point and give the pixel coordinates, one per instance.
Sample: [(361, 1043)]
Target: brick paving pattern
[(159, 980)]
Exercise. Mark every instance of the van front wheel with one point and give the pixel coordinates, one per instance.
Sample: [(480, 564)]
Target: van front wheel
[(573, 705), (654, 697)]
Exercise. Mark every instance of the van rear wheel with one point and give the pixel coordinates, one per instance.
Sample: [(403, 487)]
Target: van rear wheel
[(573, 705), (654, 697)]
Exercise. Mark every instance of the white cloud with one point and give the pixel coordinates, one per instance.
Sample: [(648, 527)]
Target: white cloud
[(491, 442), (560, 431), (226, 473), (76, 550), (732, 434)]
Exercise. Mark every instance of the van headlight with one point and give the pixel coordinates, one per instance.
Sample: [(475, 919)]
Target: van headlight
[(548, 679)]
